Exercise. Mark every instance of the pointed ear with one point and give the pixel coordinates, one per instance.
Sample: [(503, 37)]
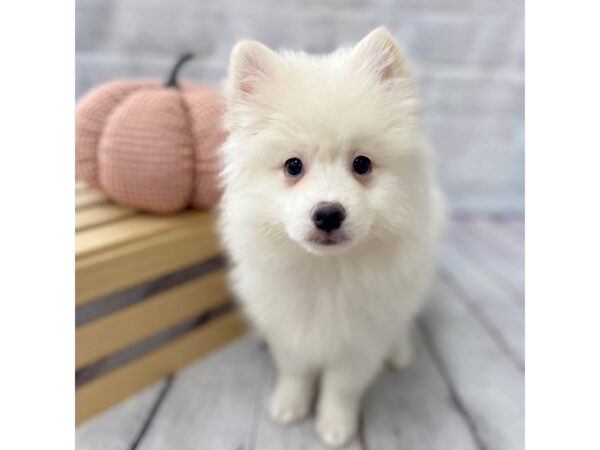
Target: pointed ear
[(379, 53), (251, 64)]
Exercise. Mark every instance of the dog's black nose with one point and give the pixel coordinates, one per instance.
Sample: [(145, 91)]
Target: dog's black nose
[(328, 216)]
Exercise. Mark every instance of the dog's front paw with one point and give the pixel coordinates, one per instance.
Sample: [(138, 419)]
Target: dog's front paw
[(290, 403), (401, 355), (336, 430), (286, 412)]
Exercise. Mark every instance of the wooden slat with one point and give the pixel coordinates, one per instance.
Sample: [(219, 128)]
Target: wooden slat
[(101, 214), (88, 198), (506, 271), (402, 406), (80, 186), (495, 306), (122, 382), (119, 426), (134, 229), (493, 230), (118, 330), (494, 248), (214, 403), (485, 381), (134, 263), (517, 227)]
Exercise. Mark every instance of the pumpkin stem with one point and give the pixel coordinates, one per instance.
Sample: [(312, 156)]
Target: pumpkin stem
[(172, 81)]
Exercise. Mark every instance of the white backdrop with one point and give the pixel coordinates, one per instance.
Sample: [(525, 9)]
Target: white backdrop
[(469, 55)]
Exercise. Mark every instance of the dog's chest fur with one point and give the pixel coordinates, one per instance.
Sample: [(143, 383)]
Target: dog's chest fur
[(324, 308)]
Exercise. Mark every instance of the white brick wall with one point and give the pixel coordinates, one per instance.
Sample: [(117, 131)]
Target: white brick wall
[(468, 55)]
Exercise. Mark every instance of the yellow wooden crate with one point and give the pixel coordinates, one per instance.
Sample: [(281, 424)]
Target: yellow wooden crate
[(151, 296)]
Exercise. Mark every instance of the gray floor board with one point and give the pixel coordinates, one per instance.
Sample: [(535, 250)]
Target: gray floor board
[(413, 409), (507, 272), (495, 232), (487, 385), (118, 428), (498, 310), (212, 402)]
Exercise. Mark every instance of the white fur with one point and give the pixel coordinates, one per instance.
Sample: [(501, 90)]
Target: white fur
[(329, 314)]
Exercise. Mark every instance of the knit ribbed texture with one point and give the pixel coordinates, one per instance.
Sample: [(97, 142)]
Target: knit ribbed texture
[(151, 147)]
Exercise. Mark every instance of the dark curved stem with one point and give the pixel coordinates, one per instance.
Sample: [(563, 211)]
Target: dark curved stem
[(172, 81)]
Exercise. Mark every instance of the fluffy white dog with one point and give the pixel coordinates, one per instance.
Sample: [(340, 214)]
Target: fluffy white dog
[(331, 216)]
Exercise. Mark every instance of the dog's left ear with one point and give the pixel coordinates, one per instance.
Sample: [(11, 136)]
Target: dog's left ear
[(251, 64), (252, 68), (379, 52)]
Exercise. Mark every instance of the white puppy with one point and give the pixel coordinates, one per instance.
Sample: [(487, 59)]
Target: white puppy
[(331, 216)]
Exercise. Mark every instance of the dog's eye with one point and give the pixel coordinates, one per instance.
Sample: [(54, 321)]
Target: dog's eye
[(361, 165), (293, 167)]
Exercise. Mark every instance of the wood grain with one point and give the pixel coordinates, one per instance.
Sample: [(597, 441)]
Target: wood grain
[(135, 262), (133, 229), (88, 198), (117, 427), (212, 403), (507, 271), (124, 327), (122, 382), (486, 383), (495, 232), (81, 186), (517, 227), (496, 309), (410, 409), (101, 214)]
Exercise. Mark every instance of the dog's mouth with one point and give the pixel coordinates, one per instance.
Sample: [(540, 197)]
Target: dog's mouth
[(328, 239)]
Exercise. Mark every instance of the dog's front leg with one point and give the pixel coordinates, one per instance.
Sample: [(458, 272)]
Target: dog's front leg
[(401, 353), (294, 391), (342, 388)]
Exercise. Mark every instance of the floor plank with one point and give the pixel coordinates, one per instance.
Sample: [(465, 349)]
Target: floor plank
[(517, 226), (118, 427), (498, 311), (507, 272), (413, 409), (495, 232), (212, 403), (495, 248), (486, 383)]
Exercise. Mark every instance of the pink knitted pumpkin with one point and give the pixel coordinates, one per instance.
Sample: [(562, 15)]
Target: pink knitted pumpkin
[(150, 145)]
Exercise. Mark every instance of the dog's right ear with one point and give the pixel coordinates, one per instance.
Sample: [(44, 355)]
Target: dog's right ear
[(378, 52), (251, 65)]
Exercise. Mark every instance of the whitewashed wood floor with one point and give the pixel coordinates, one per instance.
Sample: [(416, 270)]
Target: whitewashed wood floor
[(464, 389)]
